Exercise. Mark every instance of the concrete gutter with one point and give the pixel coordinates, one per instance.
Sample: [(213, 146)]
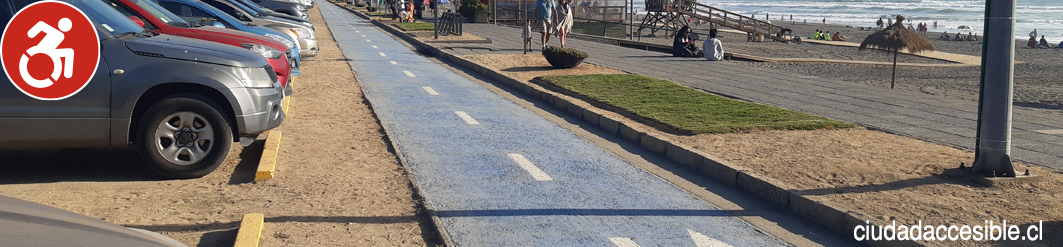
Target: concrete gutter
[(711, 166)]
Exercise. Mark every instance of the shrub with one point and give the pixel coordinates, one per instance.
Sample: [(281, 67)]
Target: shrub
[(554, 51), (469, 7)]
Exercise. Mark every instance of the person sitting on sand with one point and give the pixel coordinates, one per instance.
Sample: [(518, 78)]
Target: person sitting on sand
[(970, 36), (683, 45), (945, 36), (1043, 43), (826, 35), (817, 35), (1032, 43), (837, 37), (713, 47)]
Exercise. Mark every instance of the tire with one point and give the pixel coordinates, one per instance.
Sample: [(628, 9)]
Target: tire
[(184, 136)]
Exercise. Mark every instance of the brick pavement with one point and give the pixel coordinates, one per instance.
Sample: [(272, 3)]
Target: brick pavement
[(931, 118)]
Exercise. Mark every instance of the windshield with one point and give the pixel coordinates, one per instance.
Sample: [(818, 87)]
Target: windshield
[(158, 12), (106, 18), (254, 6)]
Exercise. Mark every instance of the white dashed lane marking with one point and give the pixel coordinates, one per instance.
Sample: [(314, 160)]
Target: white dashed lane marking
[(408, 73), (531, 168), (705, 241), (430, 91), (623, 242), (393, 62), (382, 54), (465, 116), (374, 47)]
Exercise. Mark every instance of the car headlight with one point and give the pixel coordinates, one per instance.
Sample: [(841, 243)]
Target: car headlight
[(253, 77), (303, 32), (265, 51), (284, 40)]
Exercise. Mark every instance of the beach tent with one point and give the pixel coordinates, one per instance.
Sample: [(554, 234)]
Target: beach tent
[(895, 38)]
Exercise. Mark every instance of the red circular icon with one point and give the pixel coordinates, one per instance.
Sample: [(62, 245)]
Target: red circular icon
[(50, 50)]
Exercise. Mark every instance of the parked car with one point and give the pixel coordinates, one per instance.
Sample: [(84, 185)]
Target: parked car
[(181, 101), (305, 4), (288, 8), (265, 11), (195, 11), (307, 42), (260, 12), (155, 18), (31, 224)]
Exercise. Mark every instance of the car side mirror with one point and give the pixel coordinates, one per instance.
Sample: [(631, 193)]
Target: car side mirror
[(137, 20), (217, 24)]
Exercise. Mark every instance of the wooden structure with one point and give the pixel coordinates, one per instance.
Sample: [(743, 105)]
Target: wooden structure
[(673, 14), (449, 23), (664, 15), (753, 27)]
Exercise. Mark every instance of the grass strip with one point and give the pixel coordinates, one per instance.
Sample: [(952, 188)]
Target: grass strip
[(416, 26), (687, 109)]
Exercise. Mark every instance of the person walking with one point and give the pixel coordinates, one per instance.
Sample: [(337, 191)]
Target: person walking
[(1033, 35), (564, 20), (713, 47), (546, 14)]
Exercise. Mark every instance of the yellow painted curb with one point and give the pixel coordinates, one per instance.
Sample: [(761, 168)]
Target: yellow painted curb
[(268, 162), (287, 102), (250, 230)]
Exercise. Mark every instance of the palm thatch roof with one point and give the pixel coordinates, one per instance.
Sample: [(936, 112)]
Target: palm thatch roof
[(895, 38)]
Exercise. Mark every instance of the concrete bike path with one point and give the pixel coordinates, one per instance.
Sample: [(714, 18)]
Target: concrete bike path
[(497, 174)]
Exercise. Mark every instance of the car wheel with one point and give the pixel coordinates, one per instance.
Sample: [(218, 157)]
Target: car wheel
[(184, 136)]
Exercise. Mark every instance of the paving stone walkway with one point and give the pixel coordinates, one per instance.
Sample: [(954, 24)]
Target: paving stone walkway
[(936, 119)]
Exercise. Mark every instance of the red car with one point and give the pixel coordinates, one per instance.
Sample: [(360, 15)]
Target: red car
[(156, 18)]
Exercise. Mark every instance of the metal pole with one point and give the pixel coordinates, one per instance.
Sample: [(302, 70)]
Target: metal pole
[(435, 18), (993, 155)]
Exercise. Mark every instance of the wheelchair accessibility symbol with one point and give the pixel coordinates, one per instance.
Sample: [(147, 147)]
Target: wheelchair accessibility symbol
[(56, 48)]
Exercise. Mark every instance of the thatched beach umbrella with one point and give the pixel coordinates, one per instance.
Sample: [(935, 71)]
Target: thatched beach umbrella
[(895, 38)]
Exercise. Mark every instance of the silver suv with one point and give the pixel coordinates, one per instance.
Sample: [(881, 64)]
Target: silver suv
[(181, 101)]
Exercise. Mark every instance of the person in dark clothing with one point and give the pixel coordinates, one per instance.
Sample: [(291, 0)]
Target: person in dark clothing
[(418, 7), (683, 45)]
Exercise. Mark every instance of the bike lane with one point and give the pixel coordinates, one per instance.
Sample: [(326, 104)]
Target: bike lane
[(499, 175)]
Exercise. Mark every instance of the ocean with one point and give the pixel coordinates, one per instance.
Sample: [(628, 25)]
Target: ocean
[(1044, 15)]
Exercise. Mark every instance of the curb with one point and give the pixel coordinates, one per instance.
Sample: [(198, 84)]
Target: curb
[(250, 230), (443, 235), (268, 163)]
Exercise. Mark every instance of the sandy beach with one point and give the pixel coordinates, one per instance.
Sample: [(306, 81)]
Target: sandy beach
[(1037, 83)]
